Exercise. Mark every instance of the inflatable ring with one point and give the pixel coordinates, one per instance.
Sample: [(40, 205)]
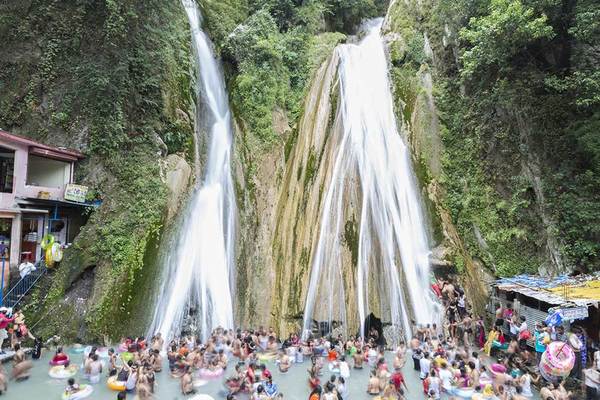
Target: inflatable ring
[(271, 390), (463, 393), (57, 253), (127, 356), (48, 257), (575, 342), (54, 362), (498, 368), (77, 349), (210, 374), (114, 384), (47, 241), (62, 372), (265, 357), (484, 381), (557, 360), (85, 391)]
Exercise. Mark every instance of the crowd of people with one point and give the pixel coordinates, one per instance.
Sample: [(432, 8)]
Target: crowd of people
[(456, 357)]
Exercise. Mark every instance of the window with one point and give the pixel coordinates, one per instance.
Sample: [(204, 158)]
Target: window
[(5, 231), (7, 169), (47, 172)]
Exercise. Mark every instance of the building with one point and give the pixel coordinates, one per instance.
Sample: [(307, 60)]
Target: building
[(37, 197), (578, 298)]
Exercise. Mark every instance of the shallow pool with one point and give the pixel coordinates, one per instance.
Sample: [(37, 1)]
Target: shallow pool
[(294, 384)]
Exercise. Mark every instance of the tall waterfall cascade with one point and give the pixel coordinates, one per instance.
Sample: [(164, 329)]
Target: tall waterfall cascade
[(199, 268), (372, 168)]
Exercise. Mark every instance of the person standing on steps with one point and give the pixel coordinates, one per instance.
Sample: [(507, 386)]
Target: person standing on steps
[(4, 322)]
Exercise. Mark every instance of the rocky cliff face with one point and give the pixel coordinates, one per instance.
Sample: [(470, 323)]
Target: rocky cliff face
[(507, 156)]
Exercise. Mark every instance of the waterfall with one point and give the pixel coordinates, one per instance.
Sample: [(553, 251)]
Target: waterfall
[(199, 268), (372, 167)]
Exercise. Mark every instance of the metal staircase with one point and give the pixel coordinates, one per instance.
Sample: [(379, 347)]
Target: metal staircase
[(16, 293)]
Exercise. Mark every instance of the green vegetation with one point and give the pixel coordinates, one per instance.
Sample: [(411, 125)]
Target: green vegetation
[(271, 48), (517, 89)]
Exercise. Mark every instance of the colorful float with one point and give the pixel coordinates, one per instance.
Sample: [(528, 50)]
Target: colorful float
[(557, 361), (57, 252), (463, 393), (206, 373), (202, 397), (59, 359), (127, 356), (77, 349), (62, 372), (266, 357), (497, 368), (114, 384), (84, 391)]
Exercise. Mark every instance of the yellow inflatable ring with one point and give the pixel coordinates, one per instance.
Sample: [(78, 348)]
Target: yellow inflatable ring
[(47, 241), (266, 357), (114, 384), (48, 257)]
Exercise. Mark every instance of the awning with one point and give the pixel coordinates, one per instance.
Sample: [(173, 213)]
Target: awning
[(13, 211), (581, 290), (50, 203)]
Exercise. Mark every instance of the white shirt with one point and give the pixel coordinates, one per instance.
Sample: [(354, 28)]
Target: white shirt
[(343, 391), (591, 378), (526, 385), (434, 385), (26, 268), (513, 328), (523, 327), (425, 364), (446, 377), (344, 369), (372, 357)]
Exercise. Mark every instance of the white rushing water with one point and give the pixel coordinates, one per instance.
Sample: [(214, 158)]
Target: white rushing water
[(199, 269), (393, 251)]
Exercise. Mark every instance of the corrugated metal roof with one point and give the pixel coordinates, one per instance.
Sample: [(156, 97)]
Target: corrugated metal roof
[(581, 290)]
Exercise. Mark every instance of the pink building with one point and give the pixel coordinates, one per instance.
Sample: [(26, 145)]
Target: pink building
[(33, 180)]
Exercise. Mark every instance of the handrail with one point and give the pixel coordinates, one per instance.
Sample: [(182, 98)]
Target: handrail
[(24, 285)]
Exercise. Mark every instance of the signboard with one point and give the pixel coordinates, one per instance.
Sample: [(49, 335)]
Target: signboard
[(76, 193), (574, 313)]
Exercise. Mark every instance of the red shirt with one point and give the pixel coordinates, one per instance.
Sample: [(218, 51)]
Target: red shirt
[(397, 378), (266, 374)]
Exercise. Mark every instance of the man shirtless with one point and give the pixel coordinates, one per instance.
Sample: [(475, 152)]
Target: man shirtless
[(448, 290), (187, 384), (284, 362), (21, 366), (95, 369), (374, 386), (157, 342), (499, 315), (358, 359), (157, 361)]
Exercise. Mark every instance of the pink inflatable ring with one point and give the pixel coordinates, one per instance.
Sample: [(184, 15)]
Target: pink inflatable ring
[(210, 374), (558, 360), (498, 368), (59, 361)]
